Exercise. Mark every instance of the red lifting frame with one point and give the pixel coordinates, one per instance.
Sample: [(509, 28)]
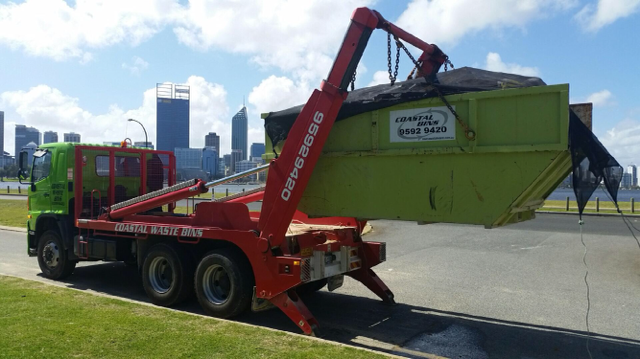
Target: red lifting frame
[(290, 173), (78, 190)]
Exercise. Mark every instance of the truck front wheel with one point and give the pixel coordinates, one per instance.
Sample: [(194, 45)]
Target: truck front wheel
[(53, 259), (224, 284), (167, 275)]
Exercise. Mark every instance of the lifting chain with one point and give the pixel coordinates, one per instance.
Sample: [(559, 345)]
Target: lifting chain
[(468, 133), (353, 80), (394, 76)]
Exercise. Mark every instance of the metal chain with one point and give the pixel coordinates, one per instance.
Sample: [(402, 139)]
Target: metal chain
[(353, 80), (394, 76), (468, 133)]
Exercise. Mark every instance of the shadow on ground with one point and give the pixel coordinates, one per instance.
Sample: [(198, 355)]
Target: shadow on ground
[(401, 329)]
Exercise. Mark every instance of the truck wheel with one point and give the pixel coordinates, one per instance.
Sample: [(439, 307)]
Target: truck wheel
[(53, 259), (167, 275), (224, 284)]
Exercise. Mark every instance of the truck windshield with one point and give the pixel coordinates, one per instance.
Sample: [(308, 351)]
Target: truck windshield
[(41, 167)]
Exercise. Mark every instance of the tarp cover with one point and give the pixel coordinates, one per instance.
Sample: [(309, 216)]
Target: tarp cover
[(462, 80)]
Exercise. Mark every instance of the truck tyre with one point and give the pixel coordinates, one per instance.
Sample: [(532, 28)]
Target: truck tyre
[(224, 283), (167, 275), (310, 288), (53, 259)]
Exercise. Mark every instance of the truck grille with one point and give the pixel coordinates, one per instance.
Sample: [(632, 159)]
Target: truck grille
[(305, 269), (383, 252)]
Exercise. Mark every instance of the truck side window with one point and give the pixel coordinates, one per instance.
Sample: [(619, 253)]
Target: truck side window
[(41, 167)]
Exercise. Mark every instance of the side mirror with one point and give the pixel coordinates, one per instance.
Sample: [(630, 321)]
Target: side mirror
[(23, 166)]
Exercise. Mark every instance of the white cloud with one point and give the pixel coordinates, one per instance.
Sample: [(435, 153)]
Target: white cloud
[(137, 65), (601, 98), (623, 141), (53, 28), (593, 18), (446, 21), (295, 36), (47, 108), (494, 63), (379, 77)]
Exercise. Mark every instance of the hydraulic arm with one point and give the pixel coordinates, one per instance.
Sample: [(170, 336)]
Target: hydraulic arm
[(290, 173)]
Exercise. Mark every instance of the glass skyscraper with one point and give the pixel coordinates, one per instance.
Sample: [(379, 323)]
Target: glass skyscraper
[(50, 137), (172, 117), (257, 150), (72, 137), (212, 140), (24, 135), (239, 132)]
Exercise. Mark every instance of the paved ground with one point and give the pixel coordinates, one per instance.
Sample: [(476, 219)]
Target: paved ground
[(463, 291)]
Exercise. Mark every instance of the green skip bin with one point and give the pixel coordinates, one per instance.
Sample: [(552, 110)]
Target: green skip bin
[(412, 161)]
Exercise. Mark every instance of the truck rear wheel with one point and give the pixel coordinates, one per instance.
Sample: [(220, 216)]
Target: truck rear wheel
[(224, 284), (167, 275), (53, 259)]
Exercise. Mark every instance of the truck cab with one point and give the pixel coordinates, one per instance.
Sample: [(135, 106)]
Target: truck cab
[(71, 181), (49, 171)]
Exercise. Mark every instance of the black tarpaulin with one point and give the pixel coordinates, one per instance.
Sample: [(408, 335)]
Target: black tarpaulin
[(592, 164), (462, 80)]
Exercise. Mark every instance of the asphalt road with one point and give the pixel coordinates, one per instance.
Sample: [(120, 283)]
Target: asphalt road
[(463, 291)]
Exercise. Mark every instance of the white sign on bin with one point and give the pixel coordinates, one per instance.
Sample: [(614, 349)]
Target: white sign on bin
[(422, 124)]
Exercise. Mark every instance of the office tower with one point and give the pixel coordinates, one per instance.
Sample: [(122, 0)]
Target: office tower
[(24, 135), (72, 137), (212, 140), (50, 137), (257, 150), (239, 133), (172, 116)]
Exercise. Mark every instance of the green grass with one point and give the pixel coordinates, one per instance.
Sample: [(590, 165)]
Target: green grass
[(13, 213), (38, 320)]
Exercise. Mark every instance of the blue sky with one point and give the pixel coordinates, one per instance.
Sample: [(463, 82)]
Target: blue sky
[(86, 66)]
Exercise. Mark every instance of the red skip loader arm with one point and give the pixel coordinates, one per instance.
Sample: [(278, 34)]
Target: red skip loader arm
[(290, 173)]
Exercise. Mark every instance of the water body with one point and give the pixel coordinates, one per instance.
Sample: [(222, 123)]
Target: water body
[(624, 195)]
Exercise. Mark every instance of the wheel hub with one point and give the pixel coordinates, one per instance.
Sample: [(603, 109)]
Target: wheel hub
[(51, 254), (161, 275), (216, 284)]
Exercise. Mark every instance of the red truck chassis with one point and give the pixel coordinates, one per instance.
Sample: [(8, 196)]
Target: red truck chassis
[(283, 247)]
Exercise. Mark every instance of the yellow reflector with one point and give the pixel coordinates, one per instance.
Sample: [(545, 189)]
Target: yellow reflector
[(28, 216), (296, 263)]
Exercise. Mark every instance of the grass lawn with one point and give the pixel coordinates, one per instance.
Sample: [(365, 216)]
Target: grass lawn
[(13, 213), (38, 320)]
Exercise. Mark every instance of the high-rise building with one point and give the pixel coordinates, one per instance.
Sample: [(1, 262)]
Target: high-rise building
[(188, 158), (24, 135), (239, 132), (172, 116), (210, 161), (221, 167), (50, 137), (633, 170), (142, 144), (257, 150), (1, 133), (212, 140), (236, 156), (71, 137)]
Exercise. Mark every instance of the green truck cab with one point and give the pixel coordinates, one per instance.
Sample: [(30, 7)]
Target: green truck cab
[(51, 215)]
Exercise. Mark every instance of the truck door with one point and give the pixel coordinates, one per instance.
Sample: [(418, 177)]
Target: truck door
[(40, 191)]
